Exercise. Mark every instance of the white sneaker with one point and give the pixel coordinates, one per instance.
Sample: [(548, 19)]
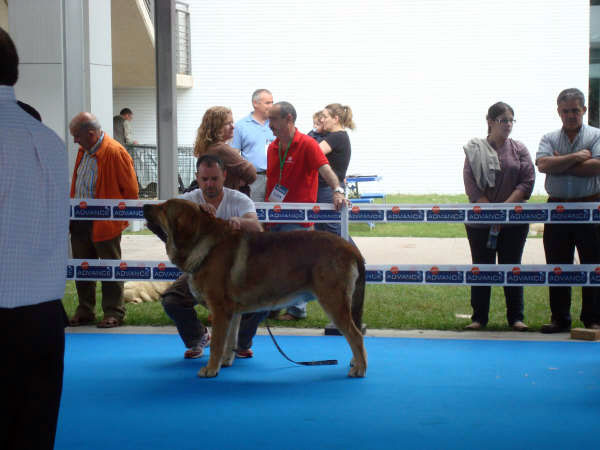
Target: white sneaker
[(198, 350)]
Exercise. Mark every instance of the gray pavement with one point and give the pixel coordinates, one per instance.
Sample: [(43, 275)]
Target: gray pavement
[(422, 334), (376, 250)]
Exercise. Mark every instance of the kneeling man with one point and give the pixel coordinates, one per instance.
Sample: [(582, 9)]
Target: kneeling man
[(239, 211)]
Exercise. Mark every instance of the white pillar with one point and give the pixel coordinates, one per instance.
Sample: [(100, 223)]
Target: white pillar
[(65, 60)]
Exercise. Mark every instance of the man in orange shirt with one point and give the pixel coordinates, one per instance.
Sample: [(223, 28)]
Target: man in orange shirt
[(103, 169)]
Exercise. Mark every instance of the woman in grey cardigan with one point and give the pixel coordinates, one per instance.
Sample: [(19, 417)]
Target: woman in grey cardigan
[(497, 170)]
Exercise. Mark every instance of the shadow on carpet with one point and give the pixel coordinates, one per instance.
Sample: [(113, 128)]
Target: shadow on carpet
[(137, 392)]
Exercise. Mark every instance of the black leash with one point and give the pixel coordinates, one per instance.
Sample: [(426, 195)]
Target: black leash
[(326, 362)]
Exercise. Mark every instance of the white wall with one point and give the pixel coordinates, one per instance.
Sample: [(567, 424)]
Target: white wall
[(418, 74)]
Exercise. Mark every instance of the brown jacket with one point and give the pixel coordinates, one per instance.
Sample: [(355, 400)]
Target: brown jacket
[(240, 172)]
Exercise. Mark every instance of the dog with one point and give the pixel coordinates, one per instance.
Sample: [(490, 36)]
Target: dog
[(144, 291), (235, 272)]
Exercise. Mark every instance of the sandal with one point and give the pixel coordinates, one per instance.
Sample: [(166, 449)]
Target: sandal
[(77, 320), (109, 322)]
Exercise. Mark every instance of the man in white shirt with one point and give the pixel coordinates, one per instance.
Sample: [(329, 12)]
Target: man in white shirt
[(238, 209), (34, 215)]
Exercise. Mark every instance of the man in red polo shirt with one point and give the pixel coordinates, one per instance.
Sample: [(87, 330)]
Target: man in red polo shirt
[(294, 162)]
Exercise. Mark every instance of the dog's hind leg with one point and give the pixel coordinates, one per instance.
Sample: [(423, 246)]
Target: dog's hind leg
[(337, 307), (220, 329), (231, 343)]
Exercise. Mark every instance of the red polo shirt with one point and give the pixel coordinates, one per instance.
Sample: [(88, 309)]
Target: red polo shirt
[(300, 169)]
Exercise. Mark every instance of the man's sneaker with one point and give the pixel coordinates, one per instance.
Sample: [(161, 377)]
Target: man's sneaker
[(244, 353), (195, 352), (205, 339), (198, 350)]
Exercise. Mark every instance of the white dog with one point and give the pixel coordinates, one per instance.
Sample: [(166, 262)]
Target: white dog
[(144, 291)]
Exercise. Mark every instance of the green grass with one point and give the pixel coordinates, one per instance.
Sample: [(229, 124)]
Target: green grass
[(394, 307)]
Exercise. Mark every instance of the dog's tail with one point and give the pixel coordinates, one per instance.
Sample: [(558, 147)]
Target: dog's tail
[(358, 297)]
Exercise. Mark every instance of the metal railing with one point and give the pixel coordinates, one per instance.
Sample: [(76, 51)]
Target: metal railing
[(184, 53), (145, 163)]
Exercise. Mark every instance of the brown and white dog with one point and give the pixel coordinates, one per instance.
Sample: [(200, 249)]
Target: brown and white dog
[(236, 272)]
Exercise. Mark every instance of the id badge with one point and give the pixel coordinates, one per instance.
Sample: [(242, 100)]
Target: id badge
[(278, 193)]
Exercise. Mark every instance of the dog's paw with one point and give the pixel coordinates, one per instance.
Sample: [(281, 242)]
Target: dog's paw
[(205, 372), (228, 359), (356, 372)]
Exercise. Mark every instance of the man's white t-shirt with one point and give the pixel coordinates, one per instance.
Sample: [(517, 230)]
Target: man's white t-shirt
[(233, 204)]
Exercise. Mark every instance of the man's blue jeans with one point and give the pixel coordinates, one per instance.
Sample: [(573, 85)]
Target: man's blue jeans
[(298, 309)]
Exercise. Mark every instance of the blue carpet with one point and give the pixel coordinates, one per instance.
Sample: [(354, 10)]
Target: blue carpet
[(137, 392)]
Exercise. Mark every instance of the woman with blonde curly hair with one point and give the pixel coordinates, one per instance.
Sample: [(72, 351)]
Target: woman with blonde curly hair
[(213, 134)]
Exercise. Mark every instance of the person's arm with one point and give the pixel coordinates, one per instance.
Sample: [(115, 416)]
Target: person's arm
[(588, 168), (325, 147), (526, 179), (471, 189), (557, 164), (332, 180), (517, 196), (237, 166), (127, 133), (248, 222), (126, 177)]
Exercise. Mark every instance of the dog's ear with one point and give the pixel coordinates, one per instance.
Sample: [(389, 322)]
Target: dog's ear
[(157, 230), (183, 229), (151, 221)]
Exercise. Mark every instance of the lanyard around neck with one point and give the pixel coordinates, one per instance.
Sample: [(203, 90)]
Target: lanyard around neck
[(282, 160)]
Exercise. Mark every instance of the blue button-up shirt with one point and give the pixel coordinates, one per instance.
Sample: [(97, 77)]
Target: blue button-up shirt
[(34, 208), (253, 139)]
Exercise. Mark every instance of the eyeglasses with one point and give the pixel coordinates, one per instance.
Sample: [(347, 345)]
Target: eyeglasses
[(505, 121)]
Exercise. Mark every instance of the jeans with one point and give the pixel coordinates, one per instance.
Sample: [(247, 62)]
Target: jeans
[(298, 309), (325, 195), (178, 302), (509, 248)]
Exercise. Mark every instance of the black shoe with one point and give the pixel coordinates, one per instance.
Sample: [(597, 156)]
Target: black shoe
[(554, 327)]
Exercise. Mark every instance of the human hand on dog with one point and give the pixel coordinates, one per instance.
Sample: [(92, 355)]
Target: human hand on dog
[(235, 223), (210, 209)]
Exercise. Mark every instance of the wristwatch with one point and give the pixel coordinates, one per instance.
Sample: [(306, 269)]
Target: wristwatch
[(339, 190)]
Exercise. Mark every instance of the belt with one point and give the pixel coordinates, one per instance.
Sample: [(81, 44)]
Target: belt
[(589, 198)]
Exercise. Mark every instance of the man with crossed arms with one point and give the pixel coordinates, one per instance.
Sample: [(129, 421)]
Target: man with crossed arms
[(570, 158)]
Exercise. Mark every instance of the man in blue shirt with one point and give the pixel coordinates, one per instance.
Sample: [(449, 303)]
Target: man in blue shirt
[(252, 137)]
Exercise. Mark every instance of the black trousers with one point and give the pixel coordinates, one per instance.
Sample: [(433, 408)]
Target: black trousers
[(560, 241), (33, 345), (509, 248)]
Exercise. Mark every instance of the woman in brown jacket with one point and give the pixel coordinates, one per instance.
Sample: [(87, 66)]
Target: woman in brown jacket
[(213, 134)]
